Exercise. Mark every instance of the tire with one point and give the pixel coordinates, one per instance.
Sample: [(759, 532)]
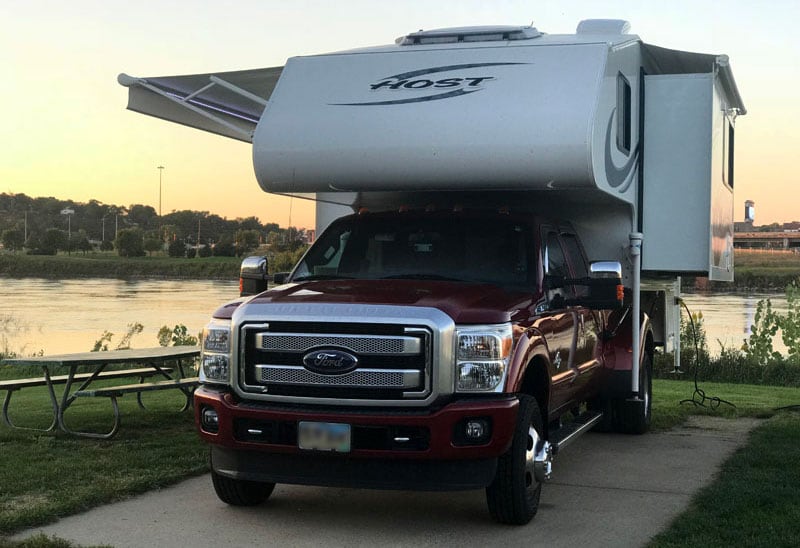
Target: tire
[(241, 492), (513, 495), (633, 417)]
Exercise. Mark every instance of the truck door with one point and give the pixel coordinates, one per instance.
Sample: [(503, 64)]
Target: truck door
[(558, 324), (585, 363)]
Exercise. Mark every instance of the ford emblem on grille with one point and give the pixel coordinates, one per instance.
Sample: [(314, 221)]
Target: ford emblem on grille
[(330, 362)]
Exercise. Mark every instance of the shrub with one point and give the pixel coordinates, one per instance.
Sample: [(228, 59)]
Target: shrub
[(176, 248), (224, 248), (129, 243)]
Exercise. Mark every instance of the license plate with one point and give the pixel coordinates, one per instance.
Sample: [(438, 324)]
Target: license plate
[(324, 436)]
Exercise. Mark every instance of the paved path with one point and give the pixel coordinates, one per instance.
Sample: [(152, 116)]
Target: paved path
[(608, 490)]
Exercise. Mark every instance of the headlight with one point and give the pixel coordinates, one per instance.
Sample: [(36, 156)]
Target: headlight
[(482, 357), (215, 357)]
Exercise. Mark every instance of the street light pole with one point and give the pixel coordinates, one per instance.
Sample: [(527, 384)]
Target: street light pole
[(69, 213), (160, 171)]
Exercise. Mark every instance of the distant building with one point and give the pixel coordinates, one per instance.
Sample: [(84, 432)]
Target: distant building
[(749, 218)]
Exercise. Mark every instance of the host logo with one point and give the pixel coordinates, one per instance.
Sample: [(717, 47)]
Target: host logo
[(425, 83)]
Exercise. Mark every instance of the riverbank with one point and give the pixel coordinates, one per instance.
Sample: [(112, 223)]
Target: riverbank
[(110, 265), (756, 271)]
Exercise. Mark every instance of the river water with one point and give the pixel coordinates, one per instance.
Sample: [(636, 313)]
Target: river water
[(70, 315)]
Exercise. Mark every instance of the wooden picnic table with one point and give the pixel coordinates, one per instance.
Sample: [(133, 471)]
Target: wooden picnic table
[(166, 362)]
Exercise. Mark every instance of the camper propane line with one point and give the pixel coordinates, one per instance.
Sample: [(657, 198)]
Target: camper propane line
[(636, 256)]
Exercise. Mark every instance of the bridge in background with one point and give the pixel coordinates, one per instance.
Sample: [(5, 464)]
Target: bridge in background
[(766, 240)]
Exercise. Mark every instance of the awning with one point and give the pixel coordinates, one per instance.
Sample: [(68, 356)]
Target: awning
[(671, 61), (226, 103)]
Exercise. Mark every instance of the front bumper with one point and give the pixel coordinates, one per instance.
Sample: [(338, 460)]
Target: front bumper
[(259, 442)]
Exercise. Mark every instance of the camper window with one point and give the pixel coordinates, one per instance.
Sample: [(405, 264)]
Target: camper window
[(624, 117), (727, 153)]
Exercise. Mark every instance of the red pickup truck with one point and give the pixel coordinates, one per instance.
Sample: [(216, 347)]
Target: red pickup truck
[(430, 350)]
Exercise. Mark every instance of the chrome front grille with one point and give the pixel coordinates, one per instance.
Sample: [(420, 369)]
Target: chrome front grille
[(393, 361)]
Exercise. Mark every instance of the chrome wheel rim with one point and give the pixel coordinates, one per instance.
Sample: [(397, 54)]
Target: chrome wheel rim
[(538, 460)]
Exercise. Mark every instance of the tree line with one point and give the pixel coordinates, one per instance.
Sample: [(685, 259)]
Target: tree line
[(47, 225)]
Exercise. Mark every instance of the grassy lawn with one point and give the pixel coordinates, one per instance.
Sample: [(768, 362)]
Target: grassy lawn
[(47, 476), (750, 401), (754, 500)]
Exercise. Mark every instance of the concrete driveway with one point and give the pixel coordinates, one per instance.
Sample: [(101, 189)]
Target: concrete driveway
[(608, 490)]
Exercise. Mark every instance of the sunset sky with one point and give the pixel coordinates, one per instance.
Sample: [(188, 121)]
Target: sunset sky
[(65, 131)]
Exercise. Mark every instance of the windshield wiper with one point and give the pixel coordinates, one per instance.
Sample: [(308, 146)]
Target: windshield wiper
[(311, 277)]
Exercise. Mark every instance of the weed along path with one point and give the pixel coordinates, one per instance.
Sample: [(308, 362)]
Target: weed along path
[(608, 490)]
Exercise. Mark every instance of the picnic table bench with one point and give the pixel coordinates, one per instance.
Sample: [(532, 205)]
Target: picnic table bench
[(156, 360)]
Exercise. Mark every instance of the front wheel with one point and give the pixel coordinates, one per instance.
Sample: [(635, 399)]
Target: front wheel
[(513, 496), (241, 492)]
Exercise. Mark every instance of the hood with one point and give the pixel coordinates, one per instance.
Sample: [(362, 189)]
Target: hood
[(464, 303)]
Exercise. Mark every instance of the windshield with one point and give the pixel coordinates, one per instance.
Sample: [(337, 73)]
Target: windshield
[(462, 249)]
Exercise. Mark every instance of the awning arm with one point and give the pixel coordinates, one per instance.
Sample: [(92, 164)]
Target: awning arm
[(236, 89), (187, 101)]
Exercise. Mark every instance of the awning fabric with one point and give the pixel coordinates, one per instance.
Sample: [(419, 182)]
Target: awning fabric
[(226, 103), (671, 61)]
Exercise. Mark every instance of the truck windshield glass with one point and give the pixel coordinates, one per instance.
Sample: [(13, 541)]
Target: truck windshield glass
[(465, 249)]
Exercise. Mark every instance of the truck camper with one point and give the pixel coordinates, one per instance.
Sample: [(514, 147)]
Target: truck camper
[(504, 217)]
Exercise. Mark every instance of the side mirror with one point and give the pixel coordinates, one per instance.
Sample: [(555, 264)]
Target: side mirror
[(605, 285), (279, 278), (253, 276)]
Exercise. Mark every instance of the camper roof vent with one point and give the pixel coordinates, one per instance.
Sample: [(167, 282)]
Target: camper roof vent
[(603, 26), (468, 34)]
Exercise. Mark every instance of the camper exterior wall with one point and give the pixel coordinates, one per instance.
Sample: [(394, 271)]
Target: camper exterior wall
[(507, 117), (688, 205)]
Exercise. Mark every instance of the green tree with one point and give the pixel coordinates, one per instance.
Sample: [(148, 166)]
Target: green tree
[(129, 243), (224, 247), (53, 240), (246, 240), (152, 244), (13, 239), (79, 242), (177, 248), (145, 217)]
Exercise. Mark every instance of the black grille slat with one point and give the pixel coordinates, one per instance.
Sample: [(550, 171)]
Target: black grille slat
[(364, 344)]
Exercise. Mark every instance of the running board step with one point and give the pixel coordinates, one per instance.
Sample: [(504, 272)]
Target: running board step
[(570, 431)]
